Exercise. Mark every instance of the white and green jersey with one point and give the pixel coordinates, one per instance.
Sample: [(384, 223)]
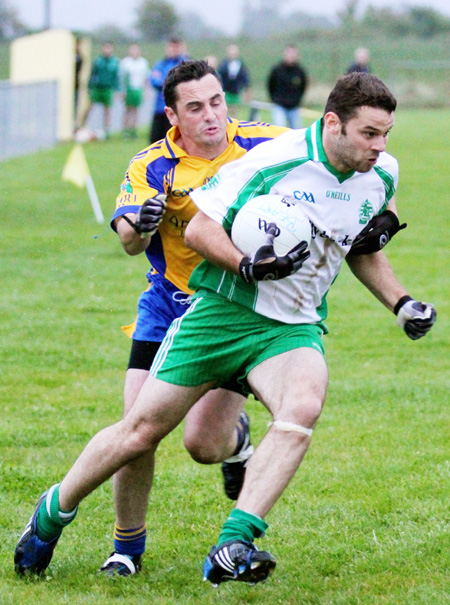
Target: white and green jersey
[(338, 207), (133, 73)]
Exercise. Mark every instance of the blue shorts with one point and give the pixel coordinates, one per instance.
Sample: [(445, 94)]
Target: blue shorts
[(158, 307)]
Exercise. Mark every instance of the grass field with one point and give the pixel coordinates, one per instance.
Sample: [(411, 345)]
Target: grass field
[(367, 517)]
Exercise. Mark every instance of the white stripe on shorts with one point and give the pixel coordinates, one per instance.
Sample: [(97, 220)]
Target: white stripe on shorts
[(164, 349)]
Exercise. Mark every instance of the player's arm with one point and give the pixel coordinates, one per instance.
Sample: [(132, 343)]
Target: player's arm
[(392, 206), (135, 230), (378, 232), (374, 271), (131, 241), (210, 240)]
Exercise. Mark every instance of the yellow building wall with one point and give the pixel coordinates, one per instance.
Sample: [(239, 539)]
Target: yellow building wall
[(49, 55), (83, 100)]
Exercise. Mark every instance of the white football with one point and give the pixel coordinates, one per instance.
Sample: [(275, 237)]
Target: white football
[(84, 135), (250, 225)]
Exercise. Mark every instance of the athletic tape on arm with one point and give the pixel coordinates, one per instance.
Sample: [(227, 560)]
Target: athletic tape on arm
[(290, 426)]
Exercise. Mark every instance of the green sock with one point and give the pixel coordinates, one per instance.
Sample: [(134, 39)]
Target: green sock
[(49, 525), (242, 526)]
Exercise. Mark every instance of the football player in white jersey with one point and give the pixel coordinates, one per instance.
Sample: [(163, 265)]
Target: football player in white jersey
[(229, 328)]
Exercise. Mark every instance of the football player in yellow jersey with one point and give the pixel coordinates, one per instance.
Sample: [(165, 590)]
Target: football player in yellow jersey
[(152, 212), (292, 384)]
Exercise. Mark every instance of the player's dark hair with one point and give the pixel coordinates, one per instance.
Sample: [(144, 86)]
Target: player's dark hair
[(184, 72), (356, 90)]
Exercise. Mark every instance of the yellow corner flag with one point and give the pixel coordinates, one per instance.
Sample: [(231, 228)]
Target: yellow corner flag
[(76, 171)]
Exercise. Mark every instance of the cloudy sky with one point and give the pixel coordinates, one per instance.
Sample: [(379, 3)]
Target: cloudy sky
[(223, 14)]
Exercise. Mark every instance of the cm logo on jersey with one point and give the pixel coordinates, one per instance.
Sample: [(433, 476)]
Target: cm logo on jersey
[(304, 196)]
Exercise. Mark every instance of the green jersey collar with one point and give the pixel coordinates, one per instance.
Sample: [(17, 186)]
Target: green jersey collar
[(316, 152), (314, 142)]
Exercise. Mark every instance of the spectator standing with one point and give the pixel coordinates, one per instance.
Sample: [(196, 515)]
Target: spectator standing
[(133, 72), (104, 81), (361, 62), (212, 60), (235, 79), (287, 83), (175, 54), (78, 67)]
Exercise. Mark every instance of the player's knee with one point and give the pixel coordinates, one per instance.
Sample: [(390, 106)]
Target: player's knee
[(304, 414), (200, 450), (311, 411), (142, 438)]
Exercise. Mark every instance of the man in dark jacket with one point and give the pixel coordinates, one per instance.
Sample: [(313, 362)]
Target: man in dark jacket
[(235, 79), (175, 54), (287, 83), (361, 62)]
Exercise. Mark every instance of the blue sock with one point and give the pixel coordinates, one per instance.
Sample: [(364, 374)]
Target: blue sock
[(240, 437), (130, 541)]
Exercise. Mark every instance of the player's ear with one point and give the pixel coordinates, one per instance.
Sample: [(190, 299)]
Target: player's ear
[(332, 122), (171, 116)]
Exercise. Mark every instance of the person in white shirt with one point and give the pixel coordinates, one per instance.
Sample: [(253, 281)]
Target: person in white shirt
[(133, 74)]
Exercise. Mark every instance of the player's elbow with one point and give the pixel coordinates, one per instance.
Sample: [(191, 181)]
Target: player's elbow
[(188, 238), (131, 250), (191, 233)]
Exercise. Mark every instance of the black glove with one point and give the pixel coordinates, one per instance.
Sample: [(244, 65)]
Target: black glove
[(150, 214), (415, 317), (266, 265), (377, 233)]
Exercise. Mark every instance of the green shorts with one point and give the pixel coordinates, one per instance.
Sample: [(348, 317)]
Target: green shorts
[(232, 98), (101, 95), (217, 339), (133, 97)]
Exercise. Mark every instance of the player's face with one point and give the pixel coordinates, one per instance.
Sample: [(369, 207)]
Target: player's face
[(360, 141), (107, 49), (201, 117), (173, 49)]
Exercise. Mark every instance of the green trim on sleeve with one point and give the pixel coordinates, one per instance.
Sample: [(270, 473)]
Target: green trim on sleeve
[(388, 181)]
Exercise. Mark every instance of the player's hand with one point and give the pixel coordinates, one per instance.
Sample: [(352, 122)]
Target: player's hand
[(415, 317), (266, 265), (377, 233), (150, 214)]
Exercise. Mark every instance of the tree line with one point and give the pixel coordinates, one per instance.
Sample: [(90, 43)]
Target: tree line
[(157, 20)]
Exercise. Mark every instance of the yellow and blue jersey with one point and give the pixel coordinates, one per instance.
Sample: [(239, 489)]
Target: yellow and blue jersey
[(164, 167)]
